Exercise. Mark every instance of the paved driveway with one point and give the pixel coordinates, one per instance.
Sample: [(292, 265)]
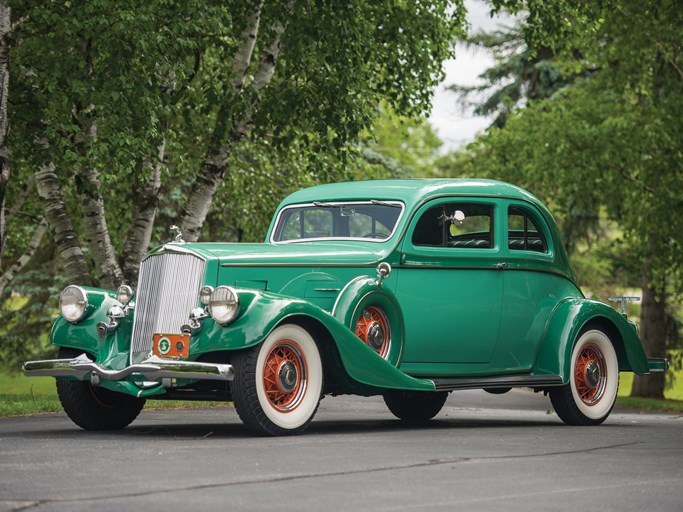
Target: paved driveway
[(483, 452)]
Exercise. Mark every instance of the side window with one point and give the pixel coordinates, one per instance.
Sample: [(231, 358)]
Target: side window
[(523, 233), (463, 225)]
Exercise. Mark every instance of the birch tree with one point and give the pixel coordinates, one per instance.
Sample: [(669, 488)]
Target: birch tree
[(5, 27)]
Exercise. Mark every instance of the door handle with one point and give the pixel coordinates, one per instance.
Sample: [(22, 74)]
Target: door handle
[(501, 265)]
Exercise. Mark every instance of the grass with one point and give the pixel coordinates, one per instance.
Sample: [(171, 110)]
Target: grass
[(31, 395), (650, 404)]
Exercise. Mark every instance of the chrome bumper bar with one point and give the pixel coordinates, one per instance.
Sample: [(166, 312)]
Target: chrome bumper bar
[(152, 369), (657, 364)]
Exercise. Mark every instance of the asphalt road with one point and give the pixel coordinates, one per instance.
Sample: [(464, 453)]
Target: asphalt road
[(483, 452)]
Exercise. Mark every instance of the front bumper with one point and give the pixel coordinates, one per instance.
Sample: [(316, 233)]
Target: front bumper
[(153, 369)]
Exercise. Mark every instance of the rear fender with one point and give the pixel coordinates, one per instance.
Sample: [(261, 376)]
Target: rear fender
[(572, 316)]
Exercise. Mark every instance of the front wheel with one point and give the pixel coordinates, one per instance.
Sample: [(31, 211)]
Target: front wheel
[(593, 381), (93, 408), (278, 383), (415, 405)]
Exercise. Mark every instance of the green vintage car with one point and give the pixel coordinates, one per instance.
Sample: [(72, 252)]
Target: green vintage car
[(409, 289)]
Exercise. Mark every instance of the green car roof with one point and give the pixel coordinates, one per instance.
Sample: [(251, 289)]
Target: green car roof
[(415, 192), (409, 191)]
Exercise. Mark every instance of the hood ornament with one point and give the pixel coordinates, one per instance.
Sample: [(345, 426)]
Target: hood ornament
[(178, 238)]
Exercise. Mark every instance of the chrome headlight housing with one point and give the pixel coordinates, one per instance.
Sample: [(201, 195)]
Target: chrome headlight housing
[(73, 303), (124, 294), (224, 305), (205, 294)]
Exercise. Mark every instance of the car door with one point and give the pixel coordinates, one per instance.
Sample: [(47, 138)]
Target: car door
[(450, 285), (531, 288)]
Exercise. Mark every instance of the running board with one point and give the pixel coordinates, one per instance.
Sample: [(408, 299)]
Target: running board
[(505, 381)]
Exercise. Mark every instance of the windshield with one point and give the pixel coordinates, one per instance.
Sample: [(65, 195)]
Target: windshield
[(356, 220)]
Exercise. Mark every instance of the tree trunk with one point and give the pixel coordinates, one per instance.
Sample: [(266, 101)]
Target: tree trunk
[(653, 335), (18, 265), (108, 272), (68, 246), (5, 27), (140, 233), (213, 167), (242, 57), (228, 133)]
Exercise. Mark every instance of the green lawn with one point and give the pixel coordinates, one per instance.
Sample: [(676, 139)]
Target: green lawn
[(30, 395)]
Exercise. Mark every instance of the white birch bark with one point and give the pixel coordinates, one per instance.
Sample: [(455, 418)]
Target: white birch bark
[(229, 132), (242, 58), (107, 269), (144, 213), (213, 167), (5, 28), (18, 265), (68, 245)]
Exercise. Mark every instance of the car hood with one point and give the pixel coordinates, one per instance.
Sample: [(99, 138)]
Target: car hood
[(298, 254)]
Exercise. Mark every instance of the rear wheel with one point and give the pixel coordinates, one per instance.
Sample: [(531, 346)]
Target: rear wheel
[(593, 381), (94, 408), (415, 405), (278, 383)]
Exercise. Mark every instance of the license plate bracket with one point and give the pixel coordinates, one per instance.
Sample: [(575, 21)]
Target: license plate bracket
[(171, 345)]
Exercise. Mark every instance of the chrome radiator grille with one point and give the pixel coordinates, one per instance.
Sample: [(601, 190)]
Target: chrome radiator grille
[(168, 288)]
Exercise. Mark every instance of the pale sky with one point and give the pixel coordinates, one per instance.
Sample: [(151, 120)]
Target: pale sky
[(454, 126)]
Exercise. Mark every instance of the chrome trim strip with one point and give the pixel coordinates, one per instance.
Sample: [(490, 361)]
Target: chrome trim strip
[(153, 369), (657, 364)]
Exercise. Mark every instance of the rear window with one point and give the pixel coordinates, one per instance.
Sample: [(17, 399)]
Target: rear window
[(523, 232)]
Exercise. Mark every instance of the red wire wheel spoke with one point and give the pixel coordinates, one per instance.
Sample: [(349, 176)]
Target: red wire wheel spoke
[(284, 376), (590, 374), (374, 330)]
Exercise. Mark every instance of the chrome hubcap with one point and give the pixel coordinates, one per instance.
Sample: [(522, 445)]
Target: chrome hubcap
[(593, 374), (287, 377), (376, 336)]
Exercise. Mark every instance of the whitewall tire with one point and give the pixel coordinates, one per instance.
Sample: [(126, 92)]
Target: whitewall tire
[(593, 381), (278, 383)]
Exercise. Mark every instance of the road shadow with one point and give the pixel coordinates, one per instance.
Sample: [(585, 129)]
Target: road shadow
[(176, 428)]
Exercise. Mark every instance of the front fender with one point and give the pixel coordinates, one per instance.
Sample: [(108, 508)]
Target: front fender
[(263, 311), (568, 319), (82, 335)]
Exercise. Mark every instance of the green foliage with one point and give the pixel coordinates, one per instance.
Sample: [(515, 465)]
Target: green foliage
[(27, 311), (403, 146), (100, 84)]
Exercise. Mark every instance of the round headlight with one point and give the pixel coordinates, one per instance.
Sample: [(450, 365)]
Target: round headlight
[(73, 302), (224, 304), (124, 294), (205, 294)]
